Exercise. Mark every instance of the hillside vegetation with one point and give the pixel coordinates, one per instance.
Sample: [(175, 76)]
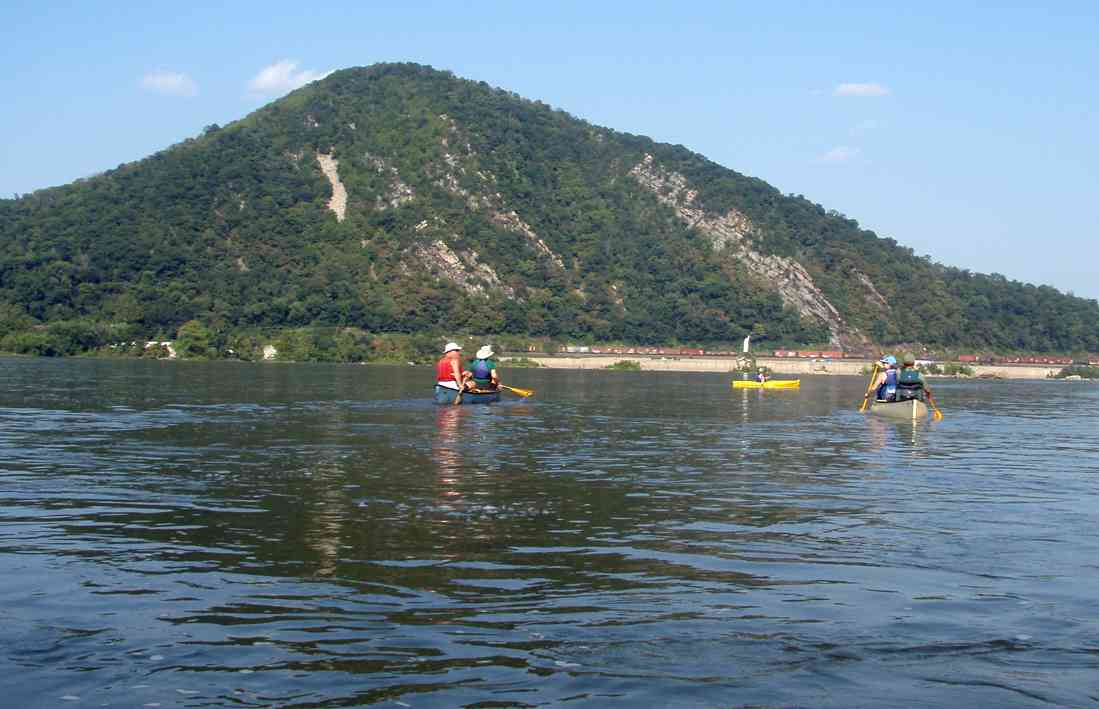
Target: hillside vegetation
[(450, 206)]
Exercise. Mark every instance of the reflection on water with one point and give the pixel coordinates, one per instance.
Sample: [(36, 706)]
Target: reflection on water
[(907, 436), (322, 536), (445, 451)]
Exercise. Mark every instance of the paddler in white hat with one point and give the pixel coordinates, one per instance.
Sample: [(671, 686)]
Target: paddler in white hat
[(483, 369), (450, 380)]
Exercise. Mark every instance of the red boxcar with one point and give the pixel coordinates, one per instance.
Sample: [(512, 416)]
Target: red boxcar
[(967, 358)]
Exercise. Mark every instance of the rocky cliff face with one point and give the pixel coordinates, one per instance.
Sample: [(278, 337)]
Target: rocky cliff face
[(460, 165), (464, 269), (731, 234)]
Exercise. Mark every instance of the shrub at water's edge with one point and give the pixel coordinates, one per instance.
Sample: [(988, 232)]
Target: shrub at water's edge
[(627, 365), (1084, 372), (948, 369), (521, 362)]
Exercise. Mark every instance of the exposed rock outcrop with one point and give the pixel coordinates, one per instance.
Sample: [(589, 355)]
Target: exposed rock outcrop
[(397, 191), (732, 233), (875, 296), (486, 198), (464, 269), (338, 202)]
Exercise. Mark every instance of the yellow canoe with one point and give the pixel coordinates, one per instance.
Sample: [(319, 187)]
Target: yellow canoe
[(770, 384)]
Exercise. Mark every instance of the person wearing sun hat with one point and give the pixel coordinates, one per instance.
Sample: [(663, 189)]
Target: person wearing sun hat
[(483, 369), (910, 384), (449, 377)]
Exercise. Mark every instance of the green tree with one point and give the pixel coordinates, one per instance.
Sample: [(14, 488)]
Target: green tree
[(193, 341)]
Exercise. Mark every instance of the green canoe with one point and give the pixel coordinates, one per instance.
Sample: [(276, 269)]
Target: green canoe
[(447, 396), (900, 410)]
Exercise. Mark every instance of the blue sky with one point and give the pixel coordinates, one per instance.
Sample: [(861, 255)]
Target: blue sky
[(967, 133)]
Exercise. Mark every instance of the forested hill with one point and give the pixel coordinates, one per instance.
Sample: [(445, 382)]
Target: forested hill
[(398, 198)]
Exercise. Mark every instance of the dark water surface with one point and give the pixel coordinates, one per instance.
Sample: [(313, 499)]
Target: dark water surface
[(197, 535)]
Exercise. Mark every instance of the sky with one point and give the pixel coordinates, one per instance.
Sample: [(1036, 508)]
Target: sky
[(965, 131)]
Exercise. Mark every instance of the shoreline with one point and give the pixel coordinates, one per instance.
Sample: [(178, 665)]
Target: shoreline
[(777, 365), (658, 363)]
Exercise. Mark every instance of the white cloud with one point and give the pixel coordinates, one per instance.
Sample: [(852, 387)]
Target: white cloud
[(170, 83), (839, 154), (860, 90), (282, 77)]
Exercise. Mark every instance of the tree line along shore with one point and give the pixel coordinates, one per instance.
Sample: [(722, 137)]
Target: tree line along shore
[(197, 341)]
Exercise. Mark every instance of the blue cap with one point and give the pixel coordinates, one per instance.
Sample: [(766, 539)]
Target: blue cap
[(889, 359)]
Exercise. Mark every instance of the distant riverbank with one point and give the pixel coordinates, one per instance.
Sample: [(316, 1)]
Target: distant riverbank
[(651, 363), (777, 365)]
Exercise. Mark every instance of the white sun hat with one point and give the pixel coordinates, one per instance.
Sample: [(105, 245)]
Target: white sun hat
[(485, 352), (451, 346)]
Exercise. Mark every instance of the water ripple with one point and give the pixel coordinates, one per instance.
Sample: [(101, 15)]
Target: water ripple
[(319, 536)]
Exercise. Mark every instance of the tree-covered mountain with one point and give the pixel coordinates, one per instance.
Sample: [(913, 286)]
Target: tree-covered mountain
[(398, 198)]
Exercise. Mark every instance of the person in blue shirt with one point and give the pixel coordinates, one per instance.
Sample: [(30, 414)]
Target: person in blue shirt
[(887, 380), (483, 368)]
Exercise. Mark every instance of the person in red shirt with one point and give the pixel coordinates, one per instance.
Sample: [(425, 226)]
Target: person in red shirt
[(450, 378)]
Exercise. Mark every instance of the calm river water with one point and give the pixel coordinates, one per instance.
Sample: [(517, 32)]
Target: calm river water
[(204, 535)]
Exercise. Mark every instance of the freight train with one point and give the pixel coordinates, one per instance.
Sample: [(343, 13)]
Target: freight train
[(698, 352), (816, 354), (995, 359)]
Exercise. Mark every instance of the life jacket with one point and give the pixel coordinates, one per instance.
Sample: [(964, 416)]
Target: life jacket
[(481, 371), (909, 384), (888, 390), (444, 374), (909, 377)]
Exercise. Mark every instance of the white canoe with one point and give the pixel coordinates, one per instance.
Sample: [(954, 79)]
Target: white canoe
[(902, 410)]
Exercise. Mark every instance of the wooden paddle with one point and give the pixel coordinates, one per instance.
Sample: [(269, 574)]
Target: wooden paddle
[(934, 406), (521, 392), (869, 387)]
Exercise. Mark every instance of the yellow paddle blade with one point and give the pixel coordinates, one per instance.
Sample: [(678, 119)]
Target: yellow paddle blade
[(521, 392), (866, 396)]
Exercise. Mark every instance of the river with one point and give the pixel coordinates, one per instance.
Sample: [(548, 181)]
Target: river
[(182, 534)]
